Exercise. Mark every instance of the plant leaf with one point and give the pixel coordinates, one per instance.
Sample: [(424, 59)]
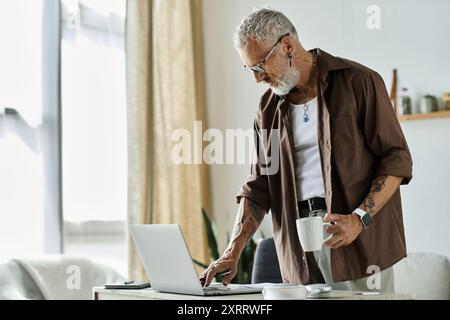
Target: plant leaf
[(212, 242), (200, 264)]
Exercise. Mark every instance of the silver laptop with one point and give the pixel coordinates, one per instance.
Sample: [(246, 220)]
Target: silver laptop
[(165, 255)]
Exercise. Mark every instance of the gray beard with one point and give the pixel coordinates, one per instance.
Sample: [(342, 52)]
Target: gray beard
[(286, 82)]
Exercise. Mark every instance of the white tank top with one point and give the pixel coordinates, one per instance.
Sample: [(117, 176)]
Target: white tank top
[(309, 178)]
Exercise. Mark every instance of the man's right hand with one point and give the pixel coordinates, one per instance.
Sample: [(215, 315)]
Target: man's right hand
[(247, 221), (226, 264)]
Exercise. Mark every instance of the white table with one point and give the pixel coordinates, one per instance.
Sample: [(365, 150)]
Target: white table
[(100, 293)]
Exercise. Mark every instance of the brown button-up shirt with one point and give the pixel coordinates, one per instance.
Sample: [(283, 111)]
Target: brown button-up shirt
[(359, 139)]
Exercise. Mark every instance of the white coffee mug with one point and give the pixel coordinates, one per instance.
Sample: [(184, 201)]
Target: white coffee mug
[(310, 233)]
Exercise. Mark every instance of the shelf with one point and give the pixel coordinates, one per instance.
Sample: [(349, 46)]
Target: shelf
[(425, 116)]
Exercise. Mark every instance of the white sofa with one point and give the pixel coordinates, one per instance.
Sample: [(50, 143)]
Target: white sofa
[(426, 275), (54, 277)]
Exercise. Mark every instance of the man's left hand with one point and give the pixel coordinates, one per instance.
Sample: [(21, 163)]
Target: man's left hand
[(345, 229)]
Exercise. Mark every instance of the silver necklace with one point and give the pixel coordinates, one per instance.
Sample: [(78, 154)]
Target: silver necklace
[(305, 113), (306, 107)]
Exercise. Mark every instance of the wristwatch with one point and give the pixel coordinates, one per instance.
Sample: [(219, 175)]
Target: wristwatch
[(365, 217)]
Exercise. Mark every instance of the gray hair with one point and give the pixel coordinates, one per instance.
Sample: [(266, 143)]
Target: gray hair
[(265, 26)]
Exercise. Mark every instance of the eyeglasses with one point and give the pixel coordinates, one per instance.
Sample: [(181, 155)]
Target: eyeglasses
[(258, 68)]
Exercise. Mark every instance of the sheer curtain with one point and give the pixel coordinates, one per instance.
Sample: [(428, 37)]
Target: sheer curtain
[(94, 139), (165, 92)]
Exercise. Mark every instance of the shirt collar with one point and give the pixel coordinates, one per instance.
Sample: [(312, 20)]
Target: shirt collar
[(326, 63)]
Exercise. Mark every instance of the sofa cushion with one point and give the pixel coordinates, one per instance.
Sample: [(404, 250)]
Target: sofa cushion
[(17, 284), (426, 275), (53, 277)]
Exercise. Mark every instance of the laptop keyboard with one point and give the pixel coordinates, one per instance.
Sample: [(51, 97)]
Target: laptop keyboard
[(216, 289), (221, 289)]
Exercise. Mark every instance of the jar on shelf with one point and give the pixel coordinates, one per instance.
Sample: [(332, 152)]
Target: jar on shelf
[(446, 99), (428, 104), (405, 101)]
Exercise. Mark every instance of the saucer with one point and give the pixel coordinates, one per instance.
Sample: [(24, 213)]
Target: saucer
[(318, 288), (285, 292)]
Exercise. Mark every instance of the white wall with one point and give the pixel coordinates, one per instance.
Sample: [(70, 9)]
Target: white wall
[(413, 38), (426, 200)]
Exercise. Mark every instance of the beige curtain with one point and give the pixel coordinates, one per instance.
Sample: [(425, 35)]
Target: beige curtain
[(165, 92)]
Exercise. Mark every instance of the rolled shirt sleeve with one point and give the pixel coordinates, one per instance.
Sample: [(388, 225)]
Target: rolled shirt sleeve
[(382, 130)]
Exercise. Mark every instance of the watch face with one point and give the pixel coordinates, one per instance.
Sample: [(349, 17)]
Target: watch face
[(366, 219)]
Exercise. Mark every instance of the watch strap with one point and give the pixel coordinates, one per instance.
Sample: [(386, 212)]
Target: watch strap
[(364, 216), (360, 212)]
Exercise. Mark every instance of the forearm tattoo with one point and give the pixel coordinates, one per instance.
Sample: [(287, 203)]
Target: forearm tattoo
[(379, 183), (248, 220), (370, 205)]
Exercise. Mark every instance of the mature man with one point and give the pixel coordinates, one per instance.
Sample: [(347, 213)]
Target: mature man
[(342, 156)]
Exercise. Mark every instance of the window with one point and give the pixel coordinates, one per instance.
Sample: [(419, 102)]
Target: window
[(94, 149), (29, 170)]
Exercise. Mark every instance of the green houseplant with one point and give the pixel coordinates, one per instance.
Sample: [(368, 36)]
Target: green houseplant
[(245, 265)]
